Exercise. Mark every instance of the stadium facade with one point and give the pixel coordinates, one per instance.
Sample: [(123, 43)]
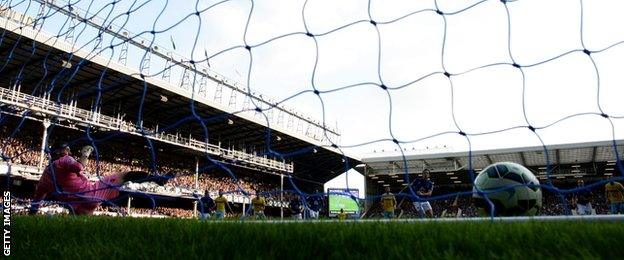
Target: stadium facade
[(562, 165), (77, 94)]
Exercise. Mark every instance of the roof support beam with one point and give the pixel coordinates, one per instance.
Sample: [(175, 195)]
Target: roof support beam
[(119, 99), (155, 108), (522, 159), (425, 163), (488, 159), (92, 92), (248, 135), (288, 147), (5, 51), (29, 63), (43, 80), (397, 165), (89, 81), (458, 162)]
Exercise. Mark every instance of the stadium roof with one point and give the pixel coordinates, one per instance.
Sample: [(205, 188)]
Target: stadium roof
[(165, 105), (574, 160)]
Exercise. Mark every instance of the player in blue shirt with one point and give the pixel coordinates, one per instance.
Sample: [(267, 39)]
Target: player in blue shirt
[(424, 189), (581, 199), (315, 203), (295, 207), (207, 203)]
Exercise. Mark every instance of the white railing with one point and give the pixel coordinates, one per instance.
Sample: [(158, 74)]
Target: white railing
[(71, 112)]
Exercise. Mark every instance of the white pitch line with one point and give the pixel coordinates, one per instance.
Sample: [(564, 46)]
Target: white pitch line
[(589, 218)]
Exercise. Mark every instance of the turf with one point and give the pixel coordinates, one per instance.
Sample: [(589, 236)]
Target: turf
[(101, 237)]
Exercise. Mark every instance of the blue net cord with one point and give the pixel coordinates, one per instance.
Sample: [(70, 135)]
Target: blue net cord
[(54, 84)]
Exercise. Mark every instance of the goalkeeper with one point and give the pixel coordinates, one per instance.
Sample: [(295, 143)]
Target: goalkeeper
[(64, 180)]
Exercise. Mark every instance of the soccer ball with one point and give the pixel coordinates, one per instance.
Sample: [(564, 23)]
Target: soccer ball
[(524, 199)]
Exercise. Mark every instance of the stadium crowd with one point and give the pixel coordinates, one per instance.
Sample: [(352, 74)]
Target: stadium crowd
[(112, 157), (551, 206), (163, 211), (144, 212), (20, 150), (214, 184)]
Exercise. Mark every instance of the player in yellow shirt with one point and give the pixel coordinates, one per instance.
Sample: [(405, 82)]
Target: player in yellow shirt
[(614, 191), (342, 215), (258, 203), (220, 202), (388, 201)]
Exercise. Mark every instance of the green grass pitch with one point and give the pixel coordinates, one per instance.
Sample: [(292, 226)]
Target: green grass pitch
[(103, 237)]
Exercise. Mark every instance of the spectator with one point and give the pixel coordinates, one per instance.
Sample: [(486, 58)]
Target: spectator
[(581, 199)]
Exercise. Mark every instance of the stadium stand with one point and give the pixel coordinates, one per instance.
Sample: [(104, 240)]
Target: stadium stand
[(591, 162), (552, 206), (21, 151), (113, 157), (158, 142)]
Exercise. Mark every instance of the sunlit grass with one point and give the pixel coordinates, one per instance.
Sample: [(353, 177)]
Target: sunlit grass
[(99, 237)]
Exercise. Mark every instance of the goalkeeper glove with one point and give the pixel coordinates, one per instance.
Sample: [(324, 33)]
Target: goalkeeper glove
[(86, 151)]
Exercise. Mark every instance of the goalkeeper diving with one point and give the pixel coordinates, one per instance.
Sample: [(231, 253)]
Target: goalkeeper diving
[(64, 180)]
